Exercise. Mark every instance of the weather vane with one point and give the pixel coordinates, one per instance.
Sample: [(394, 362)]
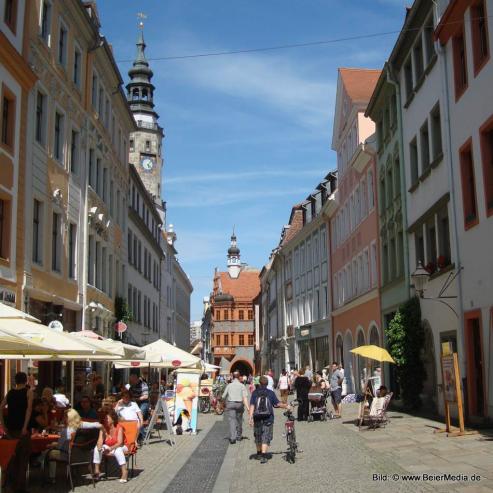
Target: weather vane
[(141, 16)]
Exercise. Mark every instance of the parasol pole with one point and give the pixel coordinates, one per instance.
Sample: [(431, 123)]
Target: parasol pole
[(72, 380)]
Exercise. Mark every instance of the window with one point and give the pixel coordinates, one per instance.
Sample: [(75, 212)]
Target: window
[(413, 156), (56, 242), (425, 146), (241, 315), (104, 185), (250, 314), (58, 137), (92, 168), (104, 271), (4, 228), (418, 61), (397, 177), (94, 94), (408, 78), (148, 146), (40, 123), (10, 14), (241, 340), (373, 264), (444, 257), (72, 242), (62, 45), (91, 261), (100, 102), (74, 152), (45, 26), (431, 245), (388, 186), (226, 339), (468, 186), (420, 246), (479, 28), (132, 146), (250, 339), (371, 195), (77, 67), (487, 156), (460, 63), (98, 177), (8, 119), (225, 315), (98, 264), (129, 248), (428, 36), (436, 132), (37, 231)]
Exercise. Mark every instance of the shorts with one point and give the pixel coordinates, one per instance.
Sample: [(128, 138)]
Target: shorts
[(263, 431), (336, 395)]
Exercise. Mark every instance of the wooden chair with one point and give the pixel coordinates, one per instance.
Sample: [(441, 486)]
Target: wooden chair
[(80, 453)]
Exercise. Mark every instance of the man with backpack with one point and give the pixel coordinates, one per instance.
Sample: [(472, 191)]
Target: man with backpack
[(262, 404)]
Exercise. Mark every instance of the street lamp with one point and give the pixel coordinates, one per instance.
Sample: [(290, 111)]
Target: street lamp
[(420, 278)]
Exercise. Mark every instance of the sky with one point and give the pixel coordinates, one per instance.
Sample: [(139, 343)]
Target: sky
[(247, 135)]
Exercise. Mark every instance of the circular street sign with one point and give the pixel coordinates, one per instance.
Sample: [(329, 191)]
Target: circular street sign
[(134, 363), (56, 325), (120, 327), (176, 362)]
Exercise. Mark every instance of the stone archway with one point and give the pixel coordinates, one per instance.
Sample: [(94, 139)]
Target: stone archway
[(429, 392), (348, 362), (243, 366)]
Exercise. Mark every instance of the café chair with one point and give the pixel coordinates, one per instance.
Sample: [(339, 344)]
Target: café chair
[(131, 432)]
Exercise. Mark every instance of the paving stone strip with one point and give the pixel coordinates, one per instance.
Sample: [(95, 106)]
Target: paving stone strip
[(200, 471)]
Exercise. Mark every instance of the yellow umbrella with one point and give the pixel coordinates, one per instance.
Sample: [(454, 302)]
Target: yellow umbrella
[(373, 352)]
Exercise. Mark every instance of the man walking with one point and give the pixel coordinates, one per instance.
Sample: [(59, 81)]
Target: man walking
[(261, 416), (236, 397), (336, 379)]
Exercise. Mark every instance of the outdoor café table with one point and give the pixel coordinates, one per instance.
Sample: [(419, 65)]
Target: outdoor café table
[(39, 443), (7, 449)]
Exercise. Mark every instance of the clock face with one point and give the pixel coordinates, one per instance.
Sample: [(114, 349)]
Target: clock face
[(147, 163)]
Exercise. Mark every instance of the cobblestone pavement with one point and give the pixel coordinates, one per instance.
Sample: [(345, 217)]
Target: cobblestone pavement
[(336, 457)]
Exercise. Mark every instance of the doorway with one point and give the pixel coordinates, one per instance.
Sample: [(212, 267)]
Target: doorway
[(475, 377)]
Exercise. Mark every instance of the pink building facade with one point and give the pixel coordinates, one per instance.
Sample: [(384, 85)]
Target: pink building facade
[(355, 271)]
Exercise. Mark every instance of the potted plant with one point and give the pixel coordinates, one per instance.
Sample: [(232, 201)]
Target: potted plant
[(430, 267)]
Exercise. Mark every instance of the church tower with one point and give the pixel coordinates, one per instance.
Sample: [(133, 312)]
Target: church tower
[(234, 264), (146, 143)]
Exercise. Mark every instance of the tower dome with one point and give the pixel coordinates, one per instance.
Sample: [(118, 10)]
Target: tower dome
[(234, 264)]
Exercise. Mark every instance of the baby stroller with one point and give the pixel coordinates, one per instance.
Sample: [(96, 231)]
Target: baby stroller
[(318, 405)]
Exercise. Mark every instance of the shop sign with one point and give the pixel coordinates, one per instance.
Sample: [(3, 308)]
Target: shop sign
[(304, 332), (7, 297), (56, 325)]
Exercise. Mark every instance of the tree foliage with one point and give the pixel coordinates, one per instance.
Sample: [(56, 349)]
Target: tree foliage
[(405, 341), (122, 310)]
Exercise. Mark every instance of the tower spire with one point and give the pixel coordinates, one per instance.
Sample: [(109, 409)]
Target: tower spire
[(234, 264)]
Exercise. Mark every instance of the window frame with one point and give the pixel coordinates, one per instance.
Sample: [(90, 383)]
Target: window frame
[(62, 56), (77, 69), (12, 24), (60, 148), (469, 195), (46, 36), (8, 122), (461, 76), (38, 221), (479, 59), (487, 163)]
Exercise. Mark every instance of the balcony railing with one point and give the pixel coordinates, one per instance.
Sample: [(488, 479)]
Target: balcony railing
[(149, 125)]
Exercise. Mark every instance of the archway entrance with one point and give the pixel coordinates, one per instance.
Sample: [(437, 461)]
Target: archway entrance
[(242, 366)]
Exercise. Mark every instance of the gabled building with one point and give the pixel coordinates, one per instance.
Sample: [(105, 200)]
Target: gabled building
[(233, 301), (356, 314)]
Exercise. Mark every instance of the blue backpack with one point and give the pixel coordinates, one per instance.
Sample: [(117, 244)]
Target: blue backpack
[(263, 405)]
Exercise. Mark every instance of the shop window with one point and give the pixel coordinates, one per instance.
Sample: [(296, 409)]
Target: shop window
[(8, 119), (468, 186), (479, 28), (487, 158), (460, 63)]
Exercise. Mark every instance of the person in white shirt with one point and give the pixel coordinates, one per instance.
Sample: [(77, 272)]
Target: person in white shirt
[(270, 384), (283, 386), (60, 398), (128, 410)]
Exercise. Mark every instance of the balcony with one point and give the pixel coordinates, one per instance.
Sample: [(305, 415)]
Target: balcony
[(147, 125)]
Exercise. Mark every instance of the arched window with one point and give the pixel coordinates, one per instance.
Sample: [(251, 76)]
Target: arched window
[(144, 94), (135, 94)]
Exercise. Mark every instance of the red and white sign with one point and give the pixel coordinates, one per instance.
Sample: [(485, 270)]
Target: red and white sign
[(176, 362), (134, 363), (120, 327)]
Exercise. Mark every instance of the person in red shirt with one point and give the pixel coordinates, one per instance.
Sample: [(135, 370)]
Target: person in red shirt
[(111, 442)]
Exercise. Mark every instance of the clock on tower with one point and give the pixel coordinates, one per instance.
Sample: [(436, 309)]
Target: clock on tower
[(147, 163)]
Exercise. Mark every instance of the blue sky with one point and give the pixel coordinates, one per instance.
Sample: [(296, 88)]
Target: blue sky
[(247, 135)]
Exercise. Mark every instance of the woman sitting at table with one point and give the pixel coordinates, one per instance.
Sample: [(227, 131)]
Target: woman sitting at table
[(59, 450), (40, 419), (111, 443)]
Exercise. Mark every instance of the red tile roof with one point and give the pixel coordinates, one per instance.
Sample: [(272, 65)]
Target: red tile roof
[(359, 83), (295, 223), (245, 287)]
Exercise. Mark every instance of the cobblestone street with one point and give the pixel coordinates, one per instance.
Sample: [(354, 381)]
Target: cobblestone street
[(335, 456)]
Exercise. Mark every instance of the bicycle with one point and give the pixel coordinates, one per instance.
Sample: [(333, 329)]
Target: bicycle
[(290, 435)]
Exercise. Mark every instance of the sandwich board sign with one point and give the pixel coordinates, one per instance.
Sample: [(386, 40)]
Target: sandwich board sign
[(160, 411)]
